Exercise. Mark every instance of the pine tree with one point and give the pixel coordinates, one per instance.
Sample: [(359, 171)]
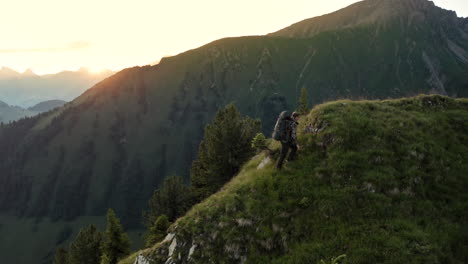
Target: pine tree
[(86, 248), (61, 256), (303, 107), (172, 199), (225, 147), (157, 231), (116, 243)]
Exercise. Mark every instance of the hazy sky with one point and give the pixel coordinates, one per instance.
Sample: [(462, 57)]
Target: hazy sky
[(54, 35)]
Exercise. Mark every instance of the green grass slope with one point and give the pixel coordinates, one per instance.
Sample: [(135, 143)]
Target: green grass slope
[(378, 181)]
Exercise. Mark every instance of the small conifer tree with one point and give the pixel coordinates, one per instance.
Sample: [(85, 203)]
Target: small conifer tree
[(116, 244), (172, 199), (157, 231), (225, 147), (86, 248), (259, 142)]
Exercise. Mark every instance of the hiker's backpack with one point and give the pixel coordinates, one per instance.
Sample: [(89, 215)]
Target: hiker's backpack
[(281, 128)]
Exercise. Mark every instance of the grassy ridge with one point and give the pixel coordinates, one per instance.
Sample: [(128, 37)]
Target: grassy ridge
[(379, 181)]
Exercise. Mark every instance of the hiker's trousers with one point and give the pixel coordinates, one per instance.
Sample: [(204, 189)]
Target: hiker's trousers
[(284, 152)]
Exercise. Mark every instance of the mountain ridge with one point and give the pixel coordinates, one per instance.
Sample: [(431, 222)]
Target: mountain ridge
[(10, 113), (27, 89), (372, 12), (47, 105)]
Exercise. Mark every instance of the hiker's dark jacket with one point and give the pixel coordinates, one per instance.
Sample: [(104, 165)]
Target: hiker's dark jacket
[(291, 133)]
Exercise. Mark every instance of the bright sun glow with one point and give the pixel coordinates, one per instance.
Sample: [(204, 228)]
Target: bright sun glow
[(95, 70), (54, 35)]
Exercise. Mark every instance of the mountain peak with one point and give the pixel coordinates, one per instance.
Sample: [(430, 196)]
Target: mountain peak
[(83, 69), (3, 104), (6, 73), (6, 69), (369, 12), (29, 73)]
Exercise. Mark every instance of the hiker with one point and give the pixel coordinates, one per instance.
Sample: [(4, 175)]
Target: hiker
[(285, 132)]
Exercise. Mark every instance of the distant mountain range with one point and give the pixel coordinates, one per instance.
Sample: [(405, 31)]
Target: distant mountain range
[(47, 105), (27, 89), (11, 113), (114, 144)]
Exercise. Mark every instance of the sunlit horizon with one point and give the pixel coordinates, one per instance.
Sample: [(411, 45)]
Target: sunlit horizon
[(106, 35), (90, 70)]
